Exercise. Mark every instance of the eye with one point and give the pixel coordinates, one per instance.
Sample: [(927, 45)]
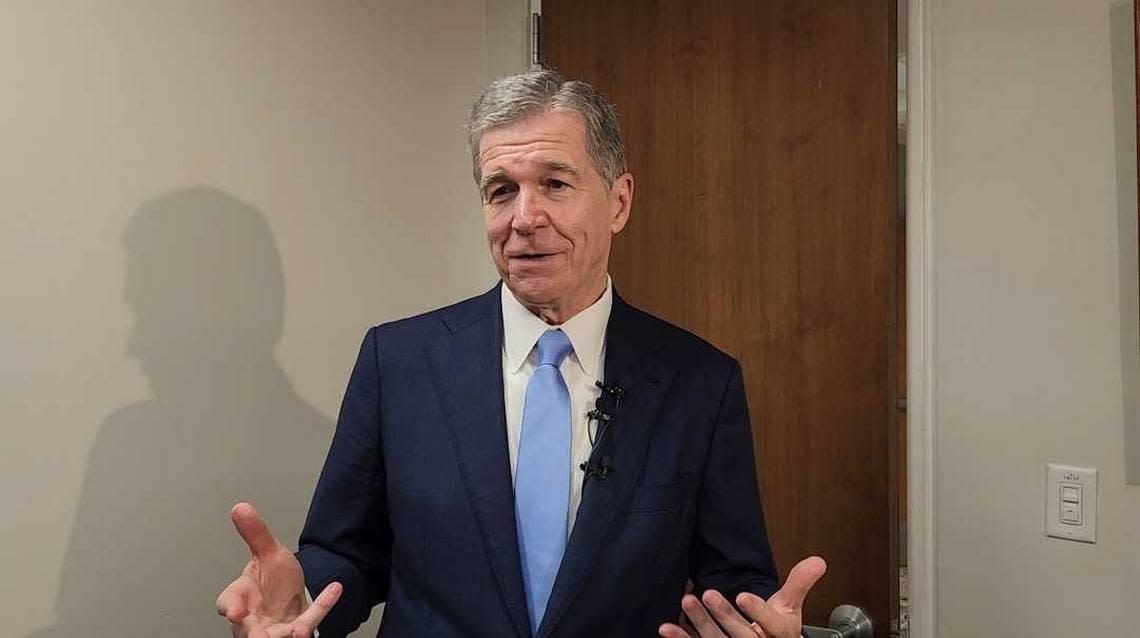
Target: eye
[(556, 184), (498, 192)]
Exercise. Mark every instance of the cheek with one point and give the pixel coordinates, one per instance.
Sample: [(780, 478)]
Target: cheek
[(586, 233), (572, 225), (498, 228)]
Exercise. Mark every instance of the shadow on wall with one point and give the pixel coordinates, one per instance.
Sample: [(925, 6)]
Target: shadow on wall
[(152, 544), (1124, 107)]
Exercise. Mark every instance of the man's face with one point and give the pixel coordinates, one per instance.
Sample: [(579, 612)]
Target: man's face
[(550, 216)]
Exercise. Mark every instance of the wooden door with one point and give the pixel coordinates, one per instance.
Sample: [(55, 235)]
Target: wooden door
[(762, 139)]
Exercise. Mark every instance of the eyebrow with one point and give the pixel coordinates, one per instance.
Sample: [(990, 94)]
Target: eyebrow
[(559, 167), (493, 177)]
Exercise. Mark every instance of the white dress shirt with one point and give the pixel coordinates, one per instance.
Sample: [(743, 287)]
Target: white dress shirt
[(584, 366)]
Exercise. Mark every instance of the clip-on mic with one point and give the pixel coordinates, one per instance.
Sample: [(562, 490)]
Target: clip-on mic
[(605, 407), (614, 391)]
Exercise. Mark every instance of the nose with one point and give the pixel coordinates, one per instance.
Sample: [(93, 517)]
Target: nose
[(531, 212)]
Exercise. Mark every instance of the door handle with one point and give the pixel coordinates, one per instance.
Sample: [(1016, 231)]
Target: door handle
[(846, 621)]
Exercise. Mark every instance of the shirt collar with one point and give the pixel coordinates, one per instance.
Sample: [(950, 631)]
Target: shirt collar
[(586, 331)]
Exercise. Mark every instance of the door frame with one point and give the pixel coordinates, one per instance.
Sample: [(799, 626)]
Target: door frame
[(921, 422), (920, 454)]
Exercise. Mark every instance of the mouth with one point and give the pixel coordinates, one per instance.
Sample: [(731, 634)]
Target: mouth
[(531, 257)]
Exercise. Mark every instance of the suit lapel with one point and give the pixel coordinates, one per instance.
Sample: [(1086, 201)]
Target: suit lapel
[(631, 341), (467, 364)]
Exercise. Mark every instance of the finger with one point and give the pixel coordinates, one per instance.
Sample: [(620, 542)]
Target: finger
[(253, 530), (801, 579), (771, 621), (726, 615), (311, 618), (233, 602), (704, 624), (669, 630), (250, 628), (760, 633), (284, 631)]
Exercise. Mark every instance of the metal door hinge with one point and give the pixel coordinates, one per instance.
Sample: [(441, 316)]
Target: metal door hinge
[(535, 38)]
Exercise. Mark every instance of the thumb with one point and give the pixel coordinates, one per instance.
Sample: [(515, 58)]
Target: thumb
[(800, 580), (253, 530)]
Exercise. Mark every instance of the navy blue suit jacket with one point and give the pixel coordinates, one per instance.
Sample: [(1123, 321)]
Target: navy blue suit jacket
[(415, 504)]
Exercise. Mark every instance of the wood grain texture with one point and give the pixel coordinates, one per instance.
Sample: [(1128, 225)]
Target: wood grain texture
[(762, 139)]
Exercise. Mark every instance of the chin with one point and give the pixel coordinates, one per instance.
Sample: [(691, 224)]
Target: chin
[(531, 292)]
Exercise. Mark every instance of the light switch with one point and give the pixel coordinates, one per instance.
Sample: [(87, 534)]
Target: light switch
[(1070, 493), (1070, 507), (1070, 514)]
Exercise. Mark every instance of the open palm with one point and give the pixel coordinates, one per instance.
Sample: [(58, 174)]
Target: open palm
[(781, 616), (268, 599)]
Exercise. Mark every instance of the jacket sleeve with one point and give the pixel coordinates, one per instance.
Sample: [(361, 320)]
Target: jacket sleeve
[(730, 551), (346, 537)]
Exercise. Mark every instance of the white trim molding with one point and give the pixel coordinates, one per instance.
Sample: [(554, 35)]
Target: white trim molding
[(921, 556)]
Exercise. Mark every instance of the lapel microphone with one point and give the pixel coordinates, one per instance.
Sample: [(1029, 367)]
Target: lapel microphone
[(599, 470), (605, 408), (614, 391), (597, 415), (604, 468), (607, 403)]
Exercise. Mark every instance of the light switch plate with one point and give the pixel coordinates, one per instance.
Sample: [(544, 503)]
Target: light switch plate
[(1057, 478)]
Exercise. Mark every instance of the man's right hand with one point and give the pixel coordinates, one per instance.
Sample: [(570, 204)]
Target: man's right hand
[(268, 599)]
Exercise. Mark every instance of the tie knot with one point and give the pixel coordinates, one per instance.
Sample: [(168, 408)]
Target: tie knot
[(553, 346)]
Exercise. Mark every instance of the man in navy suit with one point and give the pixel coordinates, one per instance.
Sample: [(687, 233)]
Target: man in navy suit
[(540, 460)]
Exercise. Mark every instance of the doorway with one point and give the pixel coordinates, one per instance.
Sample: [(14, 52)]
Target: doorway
[(765, 142)]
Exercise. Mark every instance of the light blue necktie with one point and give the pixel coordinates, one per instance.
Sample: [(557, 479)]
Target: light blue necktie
[(542, 474)]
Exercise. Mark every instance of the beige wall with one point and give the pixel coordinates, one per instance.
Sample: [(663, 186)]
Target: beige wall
[(180, 179), (204, 205), (1034, 224)]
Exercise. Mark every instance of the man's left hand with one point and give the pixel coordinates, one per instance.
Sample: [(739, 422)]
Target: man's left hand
[(781, 616)]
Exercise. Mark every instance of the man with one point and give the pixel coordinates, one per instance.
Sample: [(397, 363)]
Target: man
[(542, 459)]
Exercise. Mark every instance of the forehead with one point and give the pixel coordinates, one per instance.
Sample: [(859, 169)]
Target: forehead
[(552, 135)]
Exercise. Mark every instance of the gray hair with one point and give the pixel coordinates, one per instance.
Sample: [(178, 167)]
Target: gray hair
[(517, 97)]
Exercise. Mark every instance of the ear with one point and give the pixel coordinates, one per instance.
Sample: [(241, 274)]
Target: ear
[(621, 201)]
